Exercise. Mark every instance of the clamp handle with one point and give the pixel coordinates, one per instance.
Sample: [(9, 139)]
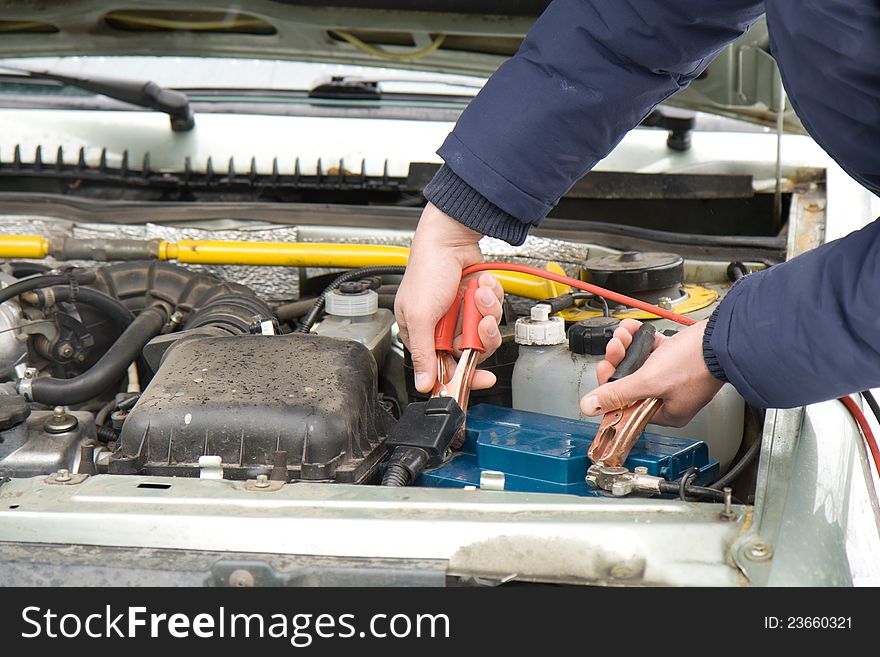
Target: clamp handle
[(470, 321), (637, 352), (444, 332)]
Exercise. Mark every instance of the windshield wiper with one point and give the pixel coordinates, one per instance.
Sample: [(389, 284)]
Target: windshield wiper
[(350, 87), (137, 92)]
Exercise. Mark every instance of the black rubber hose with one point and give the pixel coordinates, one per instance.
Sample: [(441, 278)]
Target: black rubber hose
[(290, 311), (206, 299), (746, 459), (746, 242), (106, 434), (98, 300), (737, 470), (28, 284), (736, 270), (355, 274), (107, 370), (102, 415), (21, 269)]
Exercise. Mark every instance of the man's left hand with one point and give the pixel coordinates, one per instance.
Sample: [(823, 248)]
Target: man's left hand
[(674, 372)]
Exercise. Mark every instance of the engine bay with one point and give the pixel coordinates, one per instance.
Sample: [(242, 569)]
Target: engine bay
[(175, 404), (143, 367)]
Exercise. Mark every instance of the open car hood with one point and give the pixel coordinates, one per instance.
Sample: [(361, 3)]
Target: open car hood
[(464, 37)]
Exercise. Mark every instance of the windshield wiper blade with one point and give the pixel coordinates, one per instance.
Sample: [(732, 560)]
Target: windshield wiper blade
[(358, 88), (347, 88), (137, 92)]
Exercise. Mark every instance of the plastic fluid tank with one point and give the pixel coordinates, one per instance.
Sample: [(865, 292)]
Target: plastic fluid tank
[(353, 313), (552, 375)]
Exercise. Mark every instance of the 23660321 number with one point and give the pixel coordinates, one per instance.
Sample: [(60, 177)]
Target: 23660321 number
[(819, 622)]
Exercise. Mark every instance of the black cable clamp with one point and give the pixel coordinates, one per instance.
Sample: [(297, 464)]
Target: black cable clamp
[(421, 439)]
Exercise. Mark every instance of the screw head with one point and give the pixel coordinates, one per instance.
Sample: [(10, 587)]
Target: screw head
[(641, 470), (241, 578), (62, 475), (65, 350), (262, 481), (759, 551)]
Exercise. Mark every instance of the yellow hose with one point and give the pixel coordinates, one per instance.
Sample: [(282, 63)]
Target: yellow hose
[(314, 254), (23, 246), (284, 254)]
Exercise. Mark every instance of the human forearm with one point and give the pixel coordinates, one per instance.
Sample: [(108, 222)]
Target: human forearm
[(587, 73)]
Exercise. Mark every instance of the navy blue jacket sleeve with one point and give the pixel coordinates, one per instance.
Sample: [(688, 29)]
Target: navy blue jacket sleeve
[(587, 72), (809, 329), (805, 330)]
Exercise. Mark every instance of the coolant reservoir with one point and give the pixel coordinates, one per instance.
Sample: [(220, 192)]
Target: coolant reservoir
[(551, 376), (353, 313)]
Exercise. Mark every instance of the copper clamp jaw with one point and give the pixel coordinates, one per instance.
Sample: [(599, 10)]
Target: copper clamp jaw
[(620, 430), (458, 384)]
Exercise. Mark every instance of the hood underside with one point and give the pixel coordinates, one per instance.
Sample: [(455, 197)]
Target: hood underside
[(456, 36)]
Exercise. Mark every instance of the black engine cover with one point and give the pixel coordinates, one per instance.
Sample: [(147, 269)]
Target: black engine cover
[(244, 398)]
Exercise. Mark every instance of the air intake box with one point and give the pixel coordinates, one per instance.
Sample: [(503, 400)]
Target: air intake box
[(244, 398)]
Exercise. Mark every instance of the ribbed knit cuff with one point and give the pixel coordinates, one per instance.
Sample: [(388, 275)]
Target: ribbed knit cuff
[(711, 360), (467, 206)]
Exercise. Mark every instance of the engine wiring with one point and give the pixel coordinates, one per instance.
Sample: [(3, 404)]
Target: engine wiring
[(687, 491)]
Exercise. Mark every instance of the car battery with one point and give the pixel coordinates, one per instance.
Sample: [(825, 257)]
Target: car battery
[(547, 454)]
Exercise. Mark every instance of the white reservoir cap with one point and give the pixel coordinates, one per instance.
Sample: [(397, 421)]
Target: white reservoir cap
[(360, 304), (540, 328)]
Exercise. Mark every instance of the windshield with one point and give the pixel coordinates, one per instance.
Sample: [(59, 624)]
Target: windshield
[(220, 73)]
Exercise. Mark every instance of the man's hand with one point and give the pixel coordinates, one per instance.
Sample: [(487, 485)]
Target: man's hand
[(675, 373), (441, 249)]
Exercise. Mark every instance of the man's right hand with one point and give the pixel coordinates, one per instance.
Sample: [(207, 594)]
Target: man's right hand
[(441, 248)]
